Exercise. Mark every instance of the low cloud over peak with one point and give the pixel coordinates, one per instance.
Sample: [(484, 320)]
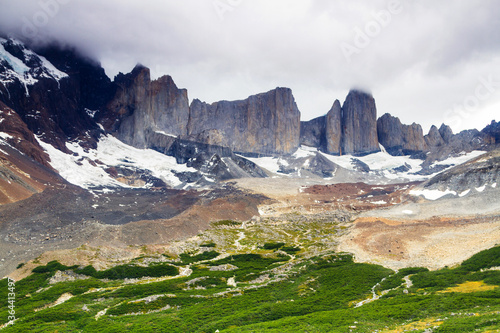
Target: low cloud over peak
[(423, 61)]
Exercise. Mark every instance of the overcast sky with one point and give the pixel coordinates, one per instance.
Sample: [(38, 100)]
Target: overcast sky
[(424, 61)]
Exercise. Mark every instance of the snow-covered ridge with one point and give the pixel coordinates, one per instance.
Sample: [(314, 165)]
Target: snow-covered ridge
[(16, 69), (83, 171), (381, 163), (437, 194)]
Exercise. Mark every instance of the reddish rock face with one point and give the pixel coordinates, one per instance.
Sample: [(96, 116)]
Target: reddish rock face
[(359, 124), (22, 138), (24, 166)]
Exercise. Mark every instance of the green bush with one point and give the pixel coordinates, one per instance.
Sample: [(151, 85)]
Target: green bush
[(51, 267), (130, 272), (483, 260), (207, 255), (396, 280), (290, 249), (273, 246), (225, 223), (440, 279)]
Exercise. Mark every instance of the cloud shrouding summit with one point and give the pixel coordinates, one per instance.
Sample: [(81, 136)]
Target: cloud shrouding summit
[(424, 61)]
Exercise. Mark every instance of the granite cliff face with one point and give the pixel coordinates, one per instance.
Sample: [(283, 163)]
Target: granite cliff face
[(267, 123), (324, 132), (492, 133), (434, 138), (350, 129), (334, 129), (359, 124), (142, 107), (142, 112), (399, 139), (313, 132), (60, 96)]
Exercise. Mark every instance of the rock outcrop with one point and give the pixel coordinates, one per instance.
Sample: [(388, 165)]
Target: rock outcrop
[(141, 107), (334, 129), (483, 171), (267, 123), (324, 132), (52, 101), (313, 132), (359, 124), (351, 129), (446, 133), (399, 139), (443, 143), (434, 138), (492, 133)]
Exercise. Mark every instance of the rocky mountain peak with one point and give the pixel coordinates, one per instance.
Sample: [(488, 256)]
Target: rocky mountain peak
[(359, 124), (141, 107), (446, 132), (434, 138), (334, 129), (51, 102), (400, 139)]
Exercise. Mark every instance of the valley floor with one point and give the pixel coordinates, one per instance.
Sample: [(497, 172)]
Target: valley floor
[(276, 256)]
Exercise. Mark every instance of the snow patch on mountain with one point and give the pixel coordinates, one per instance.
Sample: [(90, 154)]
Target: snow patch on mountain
[(432, 194), (379, 164), (461, 158), (86, 167), (16, 69), (271, 164)]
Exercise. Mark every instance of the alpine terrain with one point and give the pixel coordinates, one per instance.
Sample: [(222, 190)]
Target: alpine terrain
[(127, 205)]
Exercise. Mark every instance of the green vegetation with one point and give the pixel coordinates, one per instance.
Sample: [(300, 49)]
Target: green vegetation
[(130, 272), (225, 223), (396, 280), (114, 273), (52, 267), (281, 246), (273, 293), (273, 246), (207, 255), (290, 249)]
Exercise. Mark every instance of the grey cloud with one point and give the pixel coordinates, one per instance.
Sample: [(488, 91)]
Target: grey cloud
[(427, 59)]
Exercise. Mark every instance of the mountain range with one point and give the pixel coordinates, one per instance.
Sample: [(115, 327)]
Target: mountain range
[(54, 95), (142, 211)]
